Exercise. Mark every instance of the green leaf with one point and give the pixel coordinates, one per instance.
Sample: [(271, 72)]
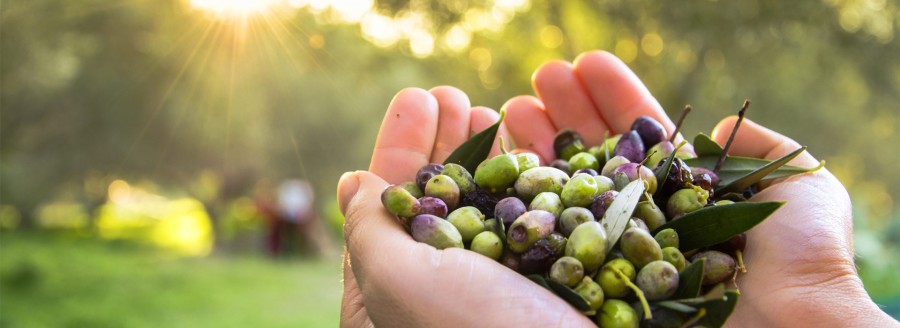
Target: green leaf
[(718, 311), (477, 148), (755, 176), (705, 146), (673, 305), (736, 167), (712, 225), (569, 295), (662, 171), (690, 280), (538, 279), (616, 218)]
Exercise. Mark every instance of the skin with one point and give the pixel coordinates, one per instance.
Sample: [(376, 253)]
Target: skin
[(800, 271)]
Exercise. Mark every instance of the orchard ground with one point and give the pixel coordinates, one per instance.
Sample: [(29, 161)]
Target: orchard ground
[(50, 280)]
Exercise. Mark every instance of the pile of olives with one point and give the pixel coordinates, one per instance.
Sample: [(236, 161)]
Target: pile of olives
[(549, 221)]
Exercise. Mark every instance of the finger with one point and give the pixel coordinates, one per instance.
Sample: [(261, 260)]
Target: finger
[(482, 118), (397, 276), (567, 102), (530, 127), (453, 121), (406, 137), (754, 140), (617, 92), (353, 310)]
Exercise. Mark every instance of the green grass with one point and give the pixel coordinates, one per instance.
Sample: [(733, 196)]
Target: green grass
[(57, 281)]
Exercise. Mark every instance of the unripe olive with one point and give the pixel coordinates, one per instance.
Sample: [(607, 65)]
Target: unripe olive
[(567, 143), (651, 214), (572, 217), (443, 187), (658, 280), (591, 292), (579, 191), (567, 270), (667, 238), (497, 173), (413, 189), (613, 285), (583, 161), (659, 152), (461, 176), (468, 221), (528, 229), (399, 201), (604, 184), (527, 161), (540, 179), (617, 314), (631, 147), (674, 256), (587, 243), (547, 201), (639, 247), (488, 244), (435, 231), (611, 166), (685, 201)]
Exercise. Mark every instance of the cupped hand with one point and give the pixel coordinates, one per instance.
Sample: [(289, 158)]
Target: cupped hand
[(391, 280), (799, 261)]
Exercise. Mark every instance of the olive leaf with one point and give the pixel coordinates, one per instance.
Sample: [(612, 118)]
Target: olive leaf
[(662, 171), (616, 218), (690, 280), (688, 305), (736, 168), (712, 225), (538, 279), (569, 295), (705, 146), (477, 148), (759, 174), (672, 305), (718, 311)]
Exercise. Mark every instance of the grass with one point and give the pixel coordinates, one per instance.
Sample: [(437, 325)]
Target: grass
[(58, 281)]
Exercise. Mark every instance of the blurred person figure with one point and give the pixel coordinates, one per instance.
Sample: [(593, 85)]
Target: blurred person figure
[(291, 218)]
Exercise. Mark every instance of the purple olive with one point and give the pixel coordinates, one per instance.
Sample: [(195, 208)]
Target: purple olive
[(508, 210), (601, 203), (588, 171), (434, 206), (426, 173), (631, 147), (650, 130)]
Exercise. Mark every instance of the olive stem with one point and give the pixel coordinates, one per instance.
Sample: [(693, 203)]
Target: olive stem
[(700, 314), (684, 113), (502, 146), (737, 124), (740, 261), (637, 291)]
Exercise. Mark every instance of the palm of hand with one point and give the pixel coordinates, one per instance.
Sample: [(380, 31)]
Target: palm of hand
[(392, 280)]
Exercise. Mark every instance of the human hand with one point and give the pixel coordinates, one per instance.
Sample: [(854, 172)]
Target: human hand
[(393, 281), (799, 260)]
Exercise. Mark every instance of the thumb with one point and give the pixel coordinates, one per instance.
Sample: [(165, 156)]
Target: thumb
[(348, 186)]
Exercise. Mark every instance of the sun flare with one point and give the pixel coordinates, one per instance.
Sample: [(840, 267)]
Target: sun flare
[(234, 8)]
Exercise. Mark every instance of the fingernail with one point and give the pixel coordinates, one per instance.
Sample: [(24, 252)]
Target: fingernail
[(348, 186)]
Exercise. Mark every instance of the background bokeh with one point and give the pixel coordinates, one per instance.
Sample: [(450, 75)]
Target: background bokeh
[(135, 134)]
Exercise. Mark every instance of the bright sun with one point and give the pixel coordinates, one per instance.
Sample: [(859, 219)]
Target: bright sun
[(234, 8)]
